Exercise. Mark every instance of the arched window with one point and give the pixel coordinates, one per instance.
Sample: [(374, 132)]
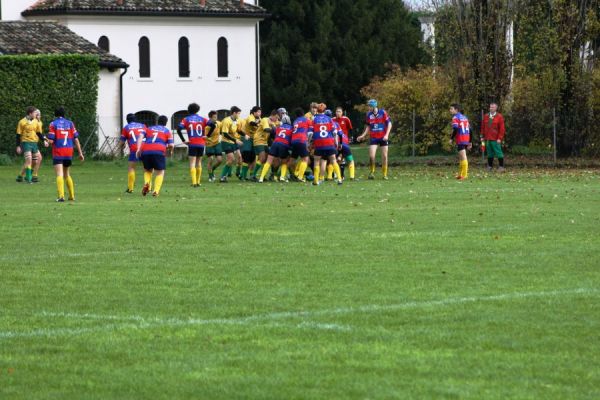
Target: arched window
[(149, 118), (104, 43), (177, 117), (184, 58), (222, 58), (144, 47)]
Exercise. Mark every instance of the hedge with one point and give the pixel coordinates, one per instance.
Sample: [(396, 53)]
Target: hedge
[(47, 82)]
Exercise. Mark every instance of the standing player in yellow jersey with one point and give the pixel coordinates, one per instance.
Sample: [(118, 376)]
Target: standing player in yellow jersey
[(230, 140), (214, 152), (29, 132), (260, 130), (312, 111)]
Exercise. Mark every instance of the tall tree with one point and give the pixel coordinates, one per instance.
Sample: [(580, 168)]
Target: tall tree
[(328, 50)]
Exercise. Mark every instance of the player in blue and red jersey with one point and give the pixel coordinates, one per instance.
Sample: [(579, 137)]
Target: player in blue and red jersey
[(325, 142), (302, 130), (64, 136), (279, 151), (152, 151), (194, 125), (461, 135), (130, 135), (378, 126)]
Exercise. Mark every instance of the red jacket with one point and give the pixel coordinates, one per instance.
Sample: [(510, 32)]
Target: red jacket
[(495, 130)]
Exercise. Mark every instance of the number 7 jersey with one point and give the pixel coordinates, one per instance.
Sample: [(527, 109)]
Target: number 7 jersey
[(63, 133)]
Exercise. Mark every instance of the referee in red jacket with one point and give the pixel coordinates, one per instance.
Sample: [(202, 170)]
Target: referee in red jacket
[(492, 131)]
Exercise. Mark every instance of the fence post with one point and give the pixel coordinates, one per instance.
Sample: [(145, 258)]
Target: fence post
[(483, 157), (413, 133), (554, 132)]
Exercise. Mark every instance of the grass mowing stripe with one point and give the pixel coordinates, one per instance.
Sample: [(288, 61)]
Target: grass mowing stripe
[(149, 323)]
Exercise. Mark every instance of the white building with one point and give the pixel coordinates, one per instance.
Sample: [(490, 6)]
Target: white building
[(203, 51)]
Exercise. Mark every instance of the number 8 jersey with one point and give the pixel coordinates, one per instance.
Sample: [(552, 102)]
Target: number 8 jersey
[(324, 133), (63, 133)]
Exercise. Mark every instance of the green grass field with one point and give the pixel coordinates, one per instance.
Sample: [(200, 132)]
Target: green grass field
[(417, 287)]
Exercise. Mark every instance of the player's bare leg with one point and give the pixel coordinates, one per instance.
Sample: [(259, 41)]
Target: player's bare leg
[(229, 160), (27, 166), (372, 161), (384, 161), (37, 162)]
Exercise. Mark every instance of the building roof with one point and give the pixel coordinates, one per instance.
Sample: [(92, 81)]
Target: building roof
[(187, 8), (24, 37)]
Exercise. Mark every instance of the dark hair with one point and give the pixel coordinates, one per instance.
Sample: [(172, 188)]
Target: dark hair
[(255, 109), (235, 109), (298, 112), (59, 112), (193, 108), (274, 112), (456, 106), (30, 109), (212, 114), (162, 120), (130, 118)]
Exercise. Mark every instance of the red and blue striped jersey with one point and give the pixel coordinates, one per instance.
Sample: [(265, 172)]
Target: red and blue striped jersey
[(343, 137), (194, 125), (63, 133), (378, 123), (324, 132), (302, 128), (156, 139), (131, 134), (461, 125), (283, 135)]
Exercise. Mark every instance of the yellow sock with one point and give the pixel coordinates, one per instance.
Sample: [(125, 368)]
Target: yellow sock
[(329, 171), (192, 174), (199, 174), (297, 169), (71, 187), (265, 171), (372, 167), (351, 169), (158, 181), (317, 173), (384, 168), (284, 171), (130, 180), (338, 172), (302, 170), (60, 186), (147, 177), (464, 168)]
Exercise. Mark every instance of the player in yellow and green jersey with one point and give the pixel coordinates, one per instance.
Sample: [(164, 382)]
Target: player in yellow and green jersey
[(214, 152), (312, 111), (29, 133), (230, 140)]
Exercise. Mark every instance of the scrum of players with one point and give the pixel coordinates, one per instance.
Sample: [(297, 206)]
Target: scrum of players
[(277, 147)]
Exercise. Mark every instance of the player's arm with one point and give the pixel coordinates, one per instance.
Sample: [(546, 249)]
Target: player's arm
[(141, 141), (501, 129), (170, 143), (180, 128), (78, 147), (455, 129), (389, 128)]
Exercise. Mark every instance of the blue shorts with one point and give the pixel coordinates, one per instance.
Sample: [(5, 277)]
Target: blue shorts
[(196, 151), (133, 158), (279, 150), (461, 147), (379, 142), (64, 162), (325, 153), (154, 161), (346, 151), (299, 150)]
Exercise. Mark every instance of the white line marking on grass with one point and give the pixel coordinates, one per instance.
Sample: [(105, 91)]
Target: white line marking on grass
[(149, 323), (16, 257)]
